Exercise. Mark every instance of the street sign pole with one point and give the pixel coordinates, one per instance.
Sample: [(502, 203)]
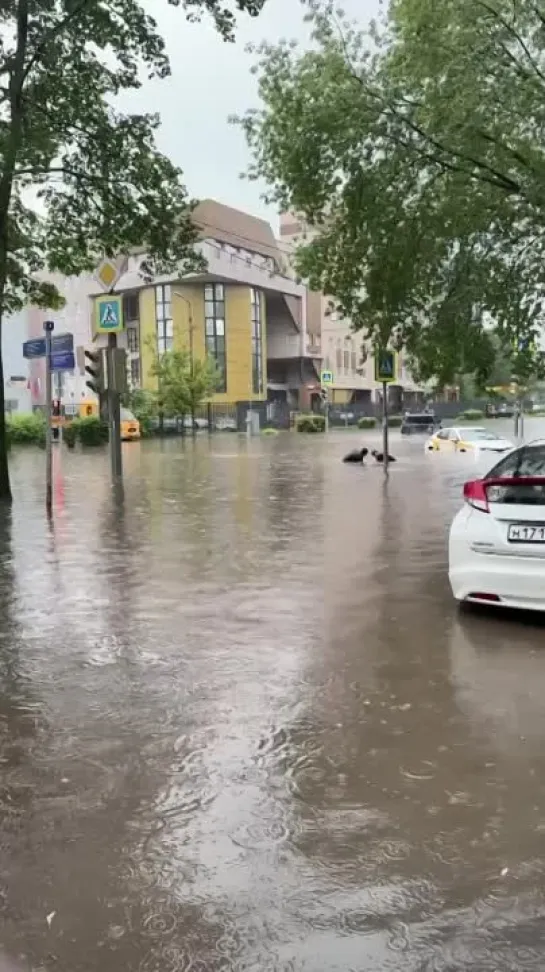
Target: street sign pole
[(385, 443), (48, 329), (114, 411)]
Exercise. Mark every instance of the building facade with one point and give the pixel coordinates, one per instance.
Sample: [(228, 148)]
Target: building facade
[(246, 311)]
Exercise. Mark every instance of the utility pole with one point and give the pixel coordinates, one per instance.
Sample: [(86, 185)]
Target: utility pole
[(48, 330), (114, 409)]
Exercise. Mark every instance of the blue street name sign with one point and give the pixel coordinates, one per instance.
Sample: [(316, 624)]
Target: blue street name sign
[(63, 361), (35, 348)]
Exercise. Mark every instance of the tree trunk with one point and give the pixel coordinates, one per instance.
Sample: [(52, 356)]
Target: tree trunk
[(5, 488), (12, 146)]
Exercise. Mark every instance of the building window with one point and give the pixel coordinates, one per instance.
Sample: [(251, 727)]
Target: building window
[(214, 326), (132, 339), (353, 359), (135, 372), (339, 359), (131, 308), (346, 361), (257, 342), (163, 317)]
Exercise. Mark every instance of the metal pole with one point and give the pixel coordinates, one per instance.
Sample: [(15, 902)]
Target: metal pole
[(385, 443), (114, 411), (48, 329), (191, 368)]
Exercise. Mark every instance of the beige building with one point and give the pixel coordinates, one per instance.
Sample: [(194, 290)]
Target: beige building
[(343, 351)]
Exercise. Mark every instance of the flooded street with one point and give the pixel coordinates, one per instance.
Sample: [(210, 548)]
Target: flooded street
[(243, 727)]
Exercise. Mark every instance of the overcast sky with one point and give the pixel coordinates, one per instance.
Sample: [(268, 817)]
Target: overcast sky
[(210, 81)]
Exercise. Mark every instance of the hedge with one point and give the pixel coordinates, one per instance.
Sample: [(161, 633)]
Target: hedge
[(26, 428), (90, 431), (471, 415), (367, 422), (310, 423)]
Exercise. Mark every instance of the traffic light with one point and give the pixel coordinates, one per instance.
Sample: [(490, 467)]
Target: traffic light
[(95, 369)]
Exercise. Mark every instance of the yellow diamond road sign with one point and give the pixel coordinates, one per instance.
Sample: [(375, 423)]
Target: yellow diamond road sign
[(107, 274)]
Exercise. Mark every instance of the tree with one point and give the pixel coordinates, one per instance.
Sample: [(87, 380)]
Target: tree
[(101, 185), (182, 383), (415, 157)]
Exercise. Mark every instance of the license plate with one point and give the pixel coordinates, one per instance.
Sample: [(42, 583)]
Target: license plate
[(526, 533)]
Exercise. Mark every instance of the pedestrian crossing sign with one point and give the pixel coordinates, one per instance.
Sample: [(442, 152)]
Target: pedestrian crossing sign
[(109, 314), (386, 366)]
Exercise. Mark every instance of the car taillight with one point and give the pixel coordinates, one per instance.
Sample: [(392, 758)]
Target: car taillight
[(475, 495), (480, 492)]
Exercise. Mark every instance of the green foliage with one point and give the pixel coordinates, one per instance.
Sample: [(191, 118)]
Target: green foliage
[(471, 415), (310, 423), (183, 384), (269, 432), (26, 428), (367, 422), (79, 177), (143, 405), (91, 431), (395, 421), (414, 158), (70, 435)]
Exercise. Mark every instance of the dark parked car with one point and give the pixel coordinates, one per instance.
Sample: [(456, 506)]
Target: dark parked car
[(414, 422)]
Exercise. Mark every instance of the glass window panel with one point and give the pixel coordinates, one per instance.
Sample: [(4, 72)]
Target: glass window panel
[(169, 343), (167, 309), (219, 291), (220, 326), (220, 345), (169, 330), (209, 292), (220, 309), (209, 308), (211, 344), (167, 292), (161, 345), (210, 326)]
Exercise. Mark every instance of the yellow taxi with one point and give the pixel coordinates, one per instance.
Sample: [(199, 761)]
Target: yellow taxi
[(130, 426), (467, 439)]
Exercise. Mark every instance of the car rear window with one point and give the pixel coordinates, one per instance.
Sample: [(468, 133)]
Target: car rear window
[(419, 419), (527, 461)]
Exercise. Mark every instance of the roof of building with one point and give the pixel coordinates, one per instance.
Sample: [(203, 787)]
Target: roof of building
[(232, 226)]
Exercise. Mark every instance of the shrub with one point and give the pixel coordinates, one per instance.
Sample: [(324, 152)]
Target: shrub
[(26, 428), (269, 431), (394, 421), (471, 415), (367, 422), (91, 431), (310, 423), (70, 435)]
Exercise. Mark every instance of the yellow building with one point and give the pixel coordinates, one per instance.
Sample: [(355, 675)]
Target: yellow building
[(245, 311)]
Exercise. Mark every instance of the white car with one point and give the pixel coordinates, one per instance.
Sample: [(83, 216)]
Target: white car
[(497, 541), (467, 438)]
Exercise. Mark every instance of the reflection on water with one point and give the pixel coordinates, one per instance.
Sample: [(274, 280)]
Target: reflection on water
[(242, 726)]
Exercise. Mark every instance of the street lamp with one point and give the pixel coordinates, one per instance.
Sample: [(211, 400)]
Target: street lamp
[(176, 293)]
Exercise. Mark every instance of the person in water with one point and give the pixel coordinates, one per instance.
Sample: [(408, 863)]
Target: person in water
[(357, 455)]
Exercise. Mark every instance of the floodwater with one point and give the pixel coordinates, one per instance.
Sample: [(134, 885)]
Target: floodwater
[(243, 727)]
